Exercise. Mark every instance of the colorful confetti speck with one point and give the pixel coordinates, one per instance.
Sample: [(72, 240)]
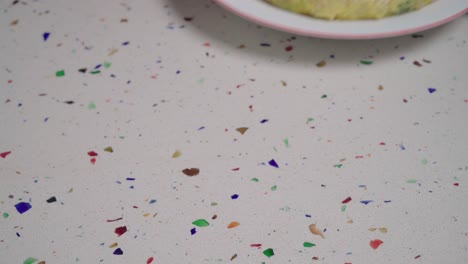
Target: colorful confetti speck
[(120, 230), (308, 244), (30, 260), (375, 244), (5, 154), (118, 252), (201, 223), (45, 35), (191, 172), (233, 224), (314, 230), (269, 252), (234, 196), (23, 207), (273, 163), (431, 90), (60, 73)]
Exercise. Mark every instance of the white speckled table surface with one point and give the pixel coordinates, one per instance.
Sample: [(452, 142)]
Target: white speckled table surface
[(160, 131)]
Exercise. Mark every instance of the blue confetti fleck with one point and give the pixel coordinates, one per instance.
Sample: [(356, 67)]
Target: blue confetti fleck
[(45, 36), (387, 201), (402, 147), (118, 252), (193, 231), (201, 128), (126, 43), (431, 90), (130, 179), (152, 201), (234, 196), (366, 202), (273, 163), (263, 121), (22, 207), (308, 216)]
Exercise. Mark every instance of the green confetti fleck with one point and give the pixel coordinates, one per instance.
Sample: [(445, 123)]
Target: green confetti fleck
[(310, 119), (411, 181), (60, 73), (201, 223), (366, 62), (274, 188), (343, 208), (107, 64), (324, 96), (309, 245), (286, 142), (30, 260), (214, 204), (338, 166), (91, 106), (424, 162), (5, 215), (255, 179), (269, 252), (109, 149), (275, 149), (95, 72)]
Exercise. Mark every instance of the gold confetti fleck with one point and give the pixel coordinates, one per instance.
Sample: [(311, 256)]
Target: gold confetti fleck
[(112, 51), (241, 46), (284, 83), (41, 262), (113, 245), (321, 64), (372, 229), (176, 154), (383, 230), (380, 88), (242, 130), (123, 20), (350, 221), (233, 257), (314, 230)]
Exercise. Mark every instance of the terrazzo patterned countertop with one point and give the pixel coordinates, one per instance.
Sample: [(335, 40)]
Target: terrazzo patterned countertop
[(160, 131)]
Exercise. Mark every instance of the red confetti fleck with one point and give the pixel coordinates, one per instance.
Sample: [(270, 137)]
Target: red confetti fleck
[(466, 101), (347, 200), (154, 76), (10, 81), (251, 108), (207, 44), (375, 244), (93, 161), (359, 157), (120, 230), (382, 144), (256, 245), (456, 184), (240, 85), (115, 220), (418, 256), (405, 101), (315, 258), (288, 48), (4, 154), (149, 260), (235, 169), (92, 154)]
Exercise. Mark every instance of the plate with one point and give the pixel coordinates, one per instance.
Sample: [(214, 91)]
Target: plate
[(433, 15)]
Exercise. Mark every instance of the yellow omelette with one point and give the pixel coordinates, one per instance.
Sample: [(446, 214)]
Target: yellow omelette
[(350, 9)]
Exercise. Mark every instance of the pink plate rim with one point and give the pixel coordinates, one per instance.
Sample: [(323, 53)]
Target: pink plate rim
[(311, 33)]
